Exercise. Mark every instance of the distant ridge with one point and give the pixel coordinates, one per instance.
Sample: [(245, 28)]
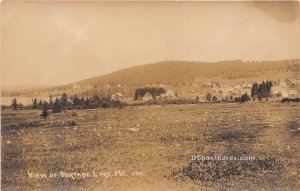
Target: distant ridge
[(179, 72), (183, 74)]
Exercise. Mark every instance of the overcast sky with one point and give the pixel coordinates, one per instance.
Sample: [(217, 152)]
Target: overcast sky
[(62, 42)]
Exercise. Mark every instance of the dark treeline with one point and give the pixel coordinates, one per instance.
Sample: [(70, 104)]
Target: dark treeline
[(262, 90), (64, 102), (213, 99), (140, 92)]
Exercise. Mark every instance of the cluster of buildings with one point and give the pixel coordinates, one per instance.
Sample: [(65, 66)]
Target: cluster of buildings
[(285, 88), (237, 90), (280, 88), (170, 94)]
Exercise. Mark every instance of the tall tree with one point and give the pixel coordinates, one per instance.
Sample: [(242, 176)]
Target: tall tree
[(34, 104), (208, 97), (97, 99), (64, 99), (57, 107), (254, 90), (214, 99), (40, 104), (81, 101), (45, 110), (50, 106), (269, 85), (262, 89), (76, 100), (14, 104), (197, 99)]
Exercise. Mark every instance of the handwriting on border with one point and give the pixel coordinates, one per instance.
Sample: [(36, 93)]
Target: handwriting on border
[(84, 175)]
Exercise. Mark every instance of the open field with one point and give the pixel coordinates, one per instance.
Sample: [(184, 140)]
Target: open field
[(153, 146)]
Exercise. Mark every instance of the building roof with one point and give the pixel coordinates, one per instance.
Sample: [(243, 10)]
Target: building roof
[(147, 95)]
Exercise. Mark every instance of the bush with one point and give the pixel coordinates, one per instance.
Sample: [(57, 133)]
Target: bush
[(208, 97), (72, 123), (106, 104), (286, 100), (70, 107), (245, 98), (215, 99), (237, 99), (5, 107)]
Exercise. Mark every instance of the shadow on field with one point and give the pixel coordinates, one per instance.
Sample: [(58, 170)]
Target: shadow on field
[(232, 136)]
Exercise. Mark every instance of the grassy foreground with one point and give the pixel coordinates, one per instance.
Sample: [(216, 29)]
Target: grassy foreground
[(151, 148)]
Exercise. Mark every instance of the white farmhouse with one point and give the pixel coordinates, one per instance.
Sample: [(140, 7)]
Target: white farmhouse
[(168, 95), (147, 97), (118, 97), (275, 90)]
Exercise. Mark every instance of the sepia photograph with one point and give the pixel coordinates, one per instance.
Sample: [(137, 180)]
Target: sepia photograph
[(150, 95)]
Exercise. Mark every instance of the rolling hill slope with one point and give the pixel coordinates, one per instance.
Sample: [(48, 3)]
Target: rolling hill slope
[(179, 75), (183, 72)]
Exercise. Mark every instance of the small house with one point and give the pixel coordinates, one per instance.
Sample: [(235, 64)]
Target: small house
[(275, 90), (118, 97), (147, 97), (168, 95)]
